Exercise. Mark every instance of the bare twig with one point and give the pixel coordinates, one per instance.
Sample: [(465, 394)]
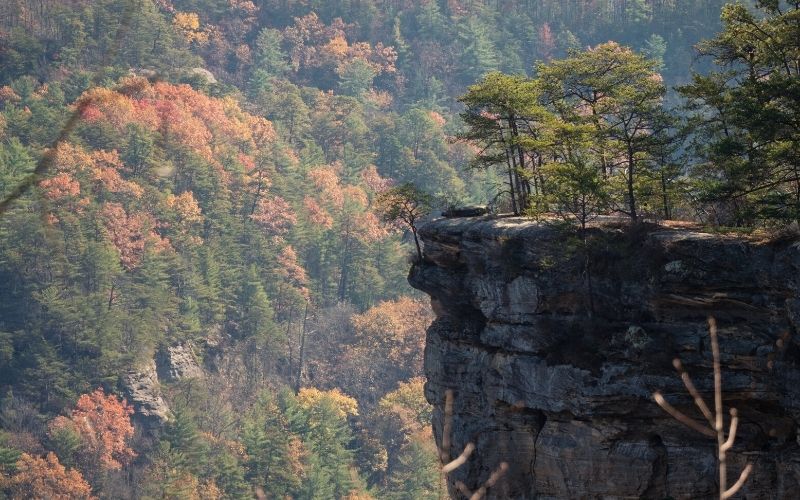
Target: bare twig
[(724, 443), (451, 465)]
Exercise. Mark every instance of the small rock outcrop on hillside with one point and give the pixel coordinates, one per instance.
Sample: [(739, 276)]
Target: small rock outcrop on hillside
[(553, 367), (143, 385), (177, 363), (144, 393)]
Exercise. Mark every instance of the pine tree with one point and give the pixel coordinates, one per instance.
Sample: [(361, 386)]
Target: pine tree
[(268, 442), (479, 55)]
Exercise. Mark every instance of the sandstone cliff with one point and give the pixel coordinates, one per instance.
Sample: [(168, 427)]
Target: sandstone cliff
[(554, 372)]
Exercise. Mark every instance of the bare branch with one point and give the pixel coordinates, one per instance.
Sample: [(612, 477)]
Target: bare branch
[(680, 417), (448, 426), (738, 485), (698, 399), (732, 433), (460, 460)]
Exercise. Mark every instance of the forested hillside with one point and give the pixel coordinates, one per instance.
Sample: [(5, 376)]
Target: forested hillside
[(207, 175)]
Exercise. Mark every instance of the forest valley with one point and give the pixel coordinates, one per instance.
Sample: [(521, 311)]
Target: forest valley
[(241, 180)]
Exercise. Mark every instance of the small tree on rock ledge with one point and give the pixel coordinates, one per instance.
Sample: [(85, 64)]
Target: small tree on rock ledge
[(405, 204)]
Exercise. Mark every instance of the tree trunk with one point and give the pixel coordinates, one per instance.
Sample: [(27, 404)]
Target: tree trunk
[(301, 358), (416, 242), (631, 196)]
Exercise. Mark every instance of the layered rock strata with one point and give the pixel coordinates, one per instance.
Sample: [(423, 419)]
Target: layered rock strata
[(554, 348)]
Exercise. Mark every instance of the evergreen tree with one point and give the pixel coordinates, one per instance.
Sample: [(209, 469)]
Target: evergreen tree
[(268, 442), (478, 56)]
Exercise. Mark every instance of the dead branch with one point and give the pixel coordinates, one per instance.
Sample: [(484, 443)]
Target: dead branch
[(451, 465), (715, 419)]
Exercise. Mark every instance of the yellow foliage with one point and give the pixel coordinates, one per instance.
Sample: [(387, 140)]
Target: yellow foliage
[(406, 407), (309, 397), (337, 47), (188, 23)]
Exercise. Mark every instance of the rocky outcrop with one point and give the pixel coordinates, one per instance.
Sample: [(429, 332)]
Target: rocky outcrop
[(177, 362), (553, 351), (144, 392)]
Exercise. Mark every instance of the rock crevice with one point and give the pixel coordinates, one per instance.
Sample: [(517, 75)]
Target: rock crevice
[(553, 362)]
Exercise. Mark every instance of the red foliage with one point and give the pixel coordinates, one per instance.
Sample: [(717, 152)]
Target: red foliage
[(60, 186)]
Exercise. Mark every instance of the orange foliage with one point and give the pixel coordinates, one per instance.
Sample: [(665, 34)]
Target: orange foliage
[(130, 233), (210, 126), (373, 180), (185, 207), (7, 94), (296, 455), (337, 47), (184, 216), (100, 168), (317, 214), (405, 408), (315, 45), (188, 24), (368, 227), (46, 478), (356, 196), (60, 186), (289, 261), (291, 269), (104, 425), (274, 215), (105, 171), (547, 42), (262, 130), (438, 119), (379, 98), (326, 182), (349, 204), (247, 162)]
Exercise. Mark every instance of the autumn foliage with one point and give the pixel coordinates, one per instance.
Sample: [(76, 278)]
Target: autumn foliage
[(46, 478), (104, 426)]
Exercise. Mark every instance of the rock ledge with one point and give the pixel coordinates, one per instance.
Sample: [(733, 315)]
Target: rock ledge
[(553, 367)]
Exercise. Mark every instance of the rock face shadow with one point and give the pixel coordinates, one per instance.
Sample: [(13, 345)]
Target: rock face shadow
[(553, 363)]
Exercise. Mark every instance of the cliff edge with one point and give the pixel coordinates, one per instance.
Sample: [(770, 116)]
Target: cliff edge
[(553, 351)]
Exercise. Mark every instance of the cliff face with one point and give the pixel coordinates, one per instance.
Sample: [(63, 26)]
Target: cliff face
[(553, 368)]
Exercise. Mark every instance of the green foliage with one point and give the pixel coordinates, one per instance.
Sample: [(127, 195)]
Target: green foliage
[(8, 456), (66, 443), (355, 78), (417, 474), (323, 427), (268, 442), (186, 447), (743, 118)]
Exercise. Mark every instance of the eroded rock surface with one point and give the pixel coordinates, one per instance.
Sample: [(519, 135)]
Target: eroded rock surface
[(144, 392), (178, 362), (554, 368)]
